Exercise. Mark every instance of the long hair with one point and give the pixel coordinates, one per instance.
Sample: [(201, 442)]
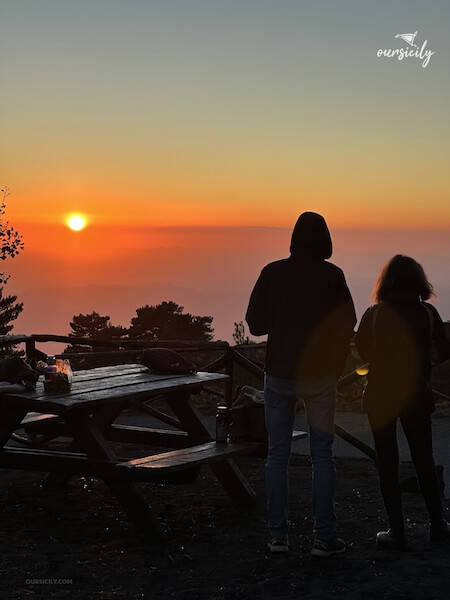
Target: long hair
[(399, 276)]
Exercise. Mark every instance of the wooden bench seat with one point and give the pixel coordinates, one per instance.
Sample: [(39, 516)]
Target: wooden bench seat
[(186, 458), (208, 452)]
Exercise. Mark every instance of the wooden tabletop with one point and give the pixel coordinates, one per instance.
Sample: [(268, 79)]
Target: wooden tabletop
[(94, 387)]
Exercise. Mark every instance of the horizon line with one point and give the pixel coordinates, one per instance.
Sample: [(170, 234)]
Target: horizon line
[(363, 228)]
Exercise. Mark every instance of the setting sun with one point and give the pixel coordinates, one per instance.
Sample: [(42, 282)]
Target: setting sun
[(76, 222)]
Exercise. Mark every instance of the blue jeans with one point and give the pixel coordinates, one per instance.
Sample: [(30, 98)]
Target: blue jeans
[(319, 397)]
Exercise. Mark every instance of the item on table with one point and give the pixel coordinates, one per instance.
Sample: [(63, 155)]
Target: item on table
[(222, 423), (57, 375)]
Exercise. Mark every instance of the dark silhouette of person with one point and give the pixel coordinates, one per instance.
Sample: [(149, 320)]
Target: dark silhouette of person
[(304, 306), (395, 336)]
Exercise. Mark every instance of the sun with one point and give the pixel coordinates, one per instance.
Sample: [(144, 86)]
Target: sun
[(76, 222)]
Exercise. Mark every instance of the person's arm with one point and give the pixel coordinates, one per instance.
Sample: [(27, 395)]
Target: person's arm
[(364, 335), (349, 311), (344, 321), (257, 315)]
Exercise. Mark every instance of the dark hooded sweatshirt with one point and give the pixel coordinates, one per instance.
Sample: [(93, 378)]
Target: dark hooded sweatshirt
[(304, 305)]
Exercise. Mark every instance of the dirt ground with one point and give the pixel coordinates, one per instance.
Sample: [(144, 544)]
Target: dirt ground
[(76, 542)]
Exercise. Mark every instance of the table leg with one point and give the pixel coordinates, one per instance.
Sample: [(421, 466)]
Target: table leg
[(103, 419), (91, 440), (234, 482)]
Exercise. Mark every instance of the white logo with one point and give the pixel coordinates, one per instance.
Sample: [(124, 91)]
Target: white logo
[(414, 51)]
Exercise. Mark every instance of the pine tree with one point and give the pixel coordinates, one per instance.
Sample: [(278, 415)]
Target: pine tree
[(89, 326), (93, 326), (10, 240), (167, 321), (10, 245)]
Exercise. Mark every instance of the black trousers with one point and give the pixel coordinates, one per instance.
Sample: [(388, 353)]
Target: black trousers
[(419, 437)]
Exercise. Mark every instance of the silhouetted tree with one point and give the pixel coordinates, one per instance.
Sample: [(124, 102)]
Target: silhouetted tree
[(89, 326), (10, 241), (239, 336), (10, 309), (93, 326), (166, 321), (10, 245)]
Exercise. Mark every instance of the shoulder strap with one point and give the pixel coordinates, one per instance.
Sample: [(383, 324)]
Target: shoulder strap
[(430, 317), (374, 320)]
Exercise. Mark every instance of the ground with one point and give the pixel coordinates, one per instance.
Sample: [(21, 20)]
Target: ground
[(76, 543)]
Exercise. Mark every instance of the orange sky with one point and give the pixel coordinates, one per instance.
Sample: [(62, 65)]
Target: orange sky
[(346, 201), (162, 114)]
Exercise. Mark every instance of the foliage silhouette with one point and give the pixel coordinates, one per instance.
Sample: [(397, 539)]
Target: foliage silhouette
[(166, 321), (11, 242), (239, 336), (10, 245), (95, 327)]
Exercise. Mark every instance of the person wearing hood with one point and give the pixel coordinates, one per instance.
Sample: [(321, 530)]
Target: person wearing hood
[(304, 306), (395, 336)]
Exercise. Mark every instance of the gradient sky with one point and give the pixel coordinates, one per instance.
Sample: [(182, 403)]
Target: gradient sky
[(202, 112), (191, 133)]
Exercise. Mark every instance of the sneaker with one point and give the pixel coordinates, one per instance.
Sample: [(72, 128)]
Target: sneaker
[(325, 548), (389, 539), (439, 532), (278, 545)]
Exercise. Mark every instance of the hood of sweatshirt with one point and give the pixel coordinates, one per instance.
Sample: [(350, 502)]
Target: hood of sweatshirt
[(311, 237)]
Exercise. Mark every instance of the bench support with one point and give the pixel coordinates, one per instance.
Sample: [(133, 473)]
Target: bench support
[(130, 497)]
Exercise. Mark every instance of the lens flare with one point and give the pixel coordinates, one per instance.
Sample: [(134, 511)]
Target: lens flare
[(362, 370)]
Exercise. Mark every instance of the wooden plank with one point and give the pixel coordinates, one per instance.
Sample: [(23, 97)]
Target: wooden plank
[(155, 382), (71, 464), (129, 373), (42, 424), (194, 455), (105, 390), (34, 417), (133, 434), (104, 378), (92, 381)]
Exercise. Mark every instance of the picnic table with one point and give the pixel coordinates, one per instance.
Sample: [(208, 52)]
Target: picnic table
[(87, 416)]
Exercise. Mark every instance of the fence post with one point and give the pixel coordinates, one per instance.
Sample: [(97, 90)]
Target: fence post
[(30, 349)]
